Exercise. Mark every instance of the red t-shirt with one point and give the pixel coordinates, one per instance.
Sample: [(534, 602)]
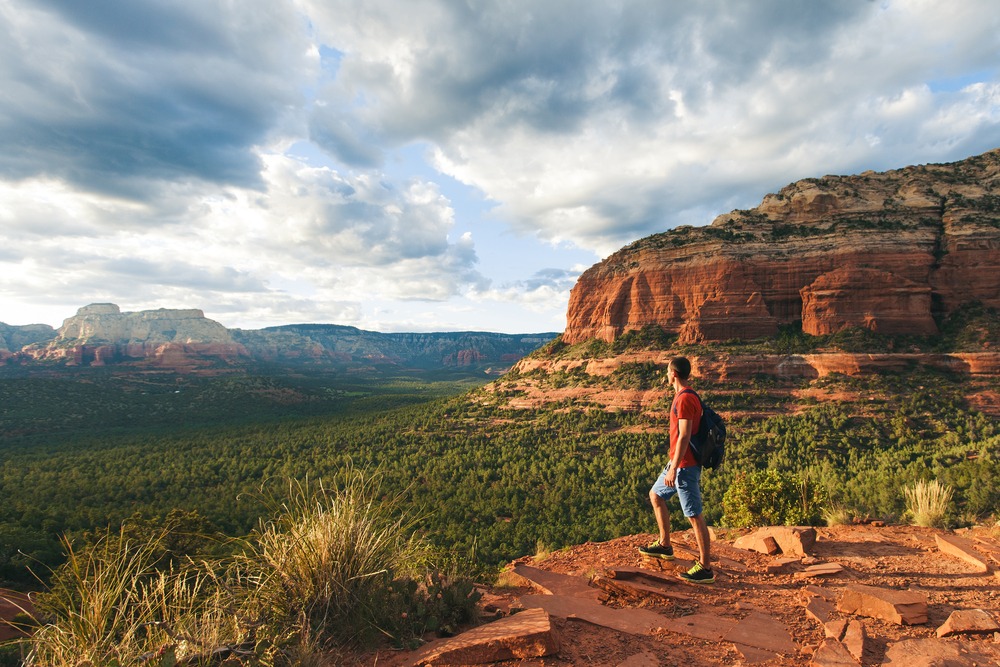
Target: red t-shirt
[(686, 405)]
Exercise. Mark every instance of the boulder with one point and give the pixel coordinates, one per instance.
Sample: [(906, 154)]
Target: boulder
[(528, 634), (969, 622), (903, 607), (791, 540)]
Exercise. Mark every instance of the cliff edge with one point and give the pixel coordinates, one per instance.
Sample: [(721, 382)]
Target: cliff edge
[(885, 251)]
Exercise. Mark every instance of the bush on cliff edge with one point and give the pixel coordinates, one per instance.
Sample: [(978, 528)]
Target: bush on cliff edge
[(332, 568)]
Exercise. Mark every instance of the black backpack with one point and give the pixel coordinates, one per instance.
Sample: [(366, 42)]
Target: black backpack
[(709, 444)]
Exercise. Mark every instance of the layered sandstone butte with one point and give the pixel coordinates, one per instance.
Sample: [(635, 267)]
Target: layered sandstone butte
[(100, 333), (885, 251)]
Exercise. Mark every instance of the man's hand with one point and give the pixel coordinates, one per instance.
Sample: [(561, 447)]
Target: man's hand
[(670, 478)]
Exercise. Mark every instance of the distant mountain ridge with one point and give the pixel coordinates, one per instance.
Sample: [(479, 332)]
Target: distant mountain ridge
[(185, 340)]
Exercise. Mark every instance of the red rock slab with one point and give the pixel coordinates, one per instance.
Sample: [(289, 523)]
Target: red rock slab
[(820, 610), (13, 603), (963, 549), (528, 634), (903, 607), (968, 622), (793, 540), (988, 546), (820, 570), (938, 653), (832, 653), (691, 554), (641, 574), (813, 590), (554, 583), (754, 656), (637, 588), (855, 639), (764, 632), (728, 556), (633, 621), (835, 629), (711, 627), (644, 659), (781, 565)]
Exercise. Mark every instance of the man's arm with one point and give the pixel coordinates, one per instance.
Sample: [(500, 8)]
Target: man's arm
[(683, 442)]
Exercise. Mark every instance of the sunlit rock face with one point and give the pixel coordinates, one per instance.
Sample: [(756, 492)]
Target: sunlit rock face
[(886, 251), (100, 334)]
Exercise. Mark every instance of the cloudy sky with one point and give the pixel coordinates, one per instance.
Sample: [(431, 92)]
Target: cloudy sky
[(414, 165)]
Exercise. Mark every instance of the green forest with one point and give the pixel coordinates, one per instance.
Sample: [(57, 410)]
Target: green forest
[(487, 482)]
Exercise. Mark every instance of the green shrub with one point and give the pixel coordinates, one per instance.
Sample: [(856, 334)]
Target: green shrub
[(770, 498), (837, 516), (11, 654)]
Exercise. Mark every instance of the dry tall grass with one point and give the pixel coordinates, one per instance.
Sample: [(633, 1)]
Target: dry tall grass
[(928, 503), (331, 555), (323, 571)]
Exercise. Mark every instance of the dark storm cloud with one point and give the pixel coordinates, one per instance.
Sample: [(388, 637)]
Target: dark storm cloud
[(116, 97), (543, 64)]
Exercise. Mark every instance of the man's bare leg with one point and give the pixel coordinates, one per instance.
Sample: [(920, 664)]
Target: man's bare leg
[(662, 515), (702, 537)]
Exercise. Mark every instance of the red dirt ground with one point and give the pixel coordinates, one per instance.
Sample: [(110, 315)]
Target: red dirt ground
[(891, 557)]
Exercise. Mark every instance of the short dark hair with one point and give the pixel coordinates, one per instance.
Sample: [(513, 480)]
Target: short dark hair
[(681, 366)]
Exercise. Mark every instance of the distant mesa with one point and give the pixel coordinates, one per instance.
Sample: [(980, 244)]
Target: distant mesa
[(100, 334), (884, 251)]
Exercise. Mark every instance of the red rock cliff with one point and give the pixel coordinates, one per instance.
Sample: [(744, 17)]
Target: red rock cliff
[(886, 251)]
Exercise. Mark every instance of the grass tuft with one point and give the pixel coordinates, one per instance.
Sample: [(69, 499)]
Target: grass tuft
[(928, 503), (837, 515), (332, 568)]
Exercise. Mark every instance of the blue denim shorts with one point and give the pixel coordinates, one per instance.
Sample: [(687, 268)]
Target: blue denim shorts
[(688, 489)]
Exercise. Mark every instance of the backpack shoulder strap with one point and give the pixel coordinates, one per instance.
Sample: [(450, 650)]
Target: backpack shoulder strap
[(689, 390)]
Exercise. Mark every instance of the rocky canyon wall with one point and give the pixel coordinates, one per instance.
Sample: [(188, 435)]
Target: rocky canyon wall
[(886, 251)]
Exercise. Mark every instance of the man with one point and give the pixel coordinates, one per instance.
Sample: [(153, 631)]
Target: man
[(682, 476)]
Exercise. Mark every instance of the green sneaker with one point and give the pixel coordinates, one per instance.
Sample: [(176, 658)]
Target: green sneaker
[(657, 550), (698, 574)]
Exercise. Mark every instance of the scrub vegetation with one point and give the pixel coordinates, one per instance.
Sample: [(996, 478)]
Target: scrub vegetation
[(192, 495)]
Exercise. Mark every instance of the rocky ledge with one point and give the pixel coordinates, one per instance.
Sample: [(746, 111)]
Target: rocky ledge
[(818, 597), (886, 251)]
